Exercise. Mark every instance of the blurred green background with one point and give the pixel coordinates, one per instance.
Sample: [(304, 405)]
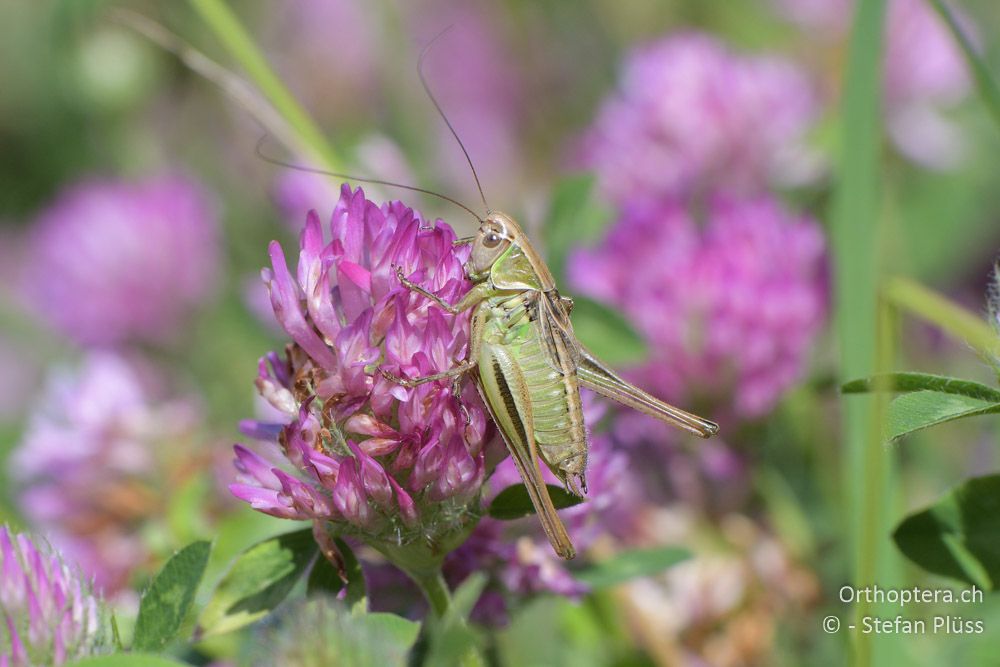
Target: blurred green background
[(81, 95)]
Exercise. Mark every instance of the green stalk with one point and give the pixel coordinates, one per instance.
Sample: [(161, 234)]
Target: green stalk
[(423, 566), (422, 561), (855, 224), (873, 566), (951, 317), (242, 48), (434, 588)]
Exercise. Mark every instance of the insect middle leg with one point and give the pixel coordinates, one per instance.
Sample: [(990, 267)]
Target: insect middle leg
[(455, 373)]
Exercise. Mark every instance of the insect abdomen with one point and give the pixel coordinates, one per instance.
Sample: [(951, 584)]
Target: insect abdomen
[(557, 413)]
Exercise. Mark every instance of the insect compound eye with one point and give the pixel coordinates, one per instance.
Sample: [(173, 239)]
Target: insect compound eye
[(491, 240)]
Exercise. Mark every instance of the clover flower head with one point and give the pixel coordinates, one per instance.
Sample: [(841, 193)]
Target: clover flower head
[(112, 261), (690, 113), (89, 468), (391, 463), (48, 615), (730, 307), (295, 192)]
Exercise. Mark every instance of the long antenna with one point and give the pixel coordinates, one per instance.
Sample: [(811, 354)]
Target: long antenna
[(427, 89), (351, 177)]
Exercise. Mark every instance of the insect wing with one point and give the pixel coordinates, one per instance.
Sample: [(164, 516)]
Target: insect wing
[(562, 349), (504, 390), (595, 375)]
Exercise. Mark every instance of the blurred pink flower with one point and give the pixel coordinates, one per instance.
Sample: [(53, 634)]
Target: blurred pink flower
[(730, 307), (258, 303), (691, 114), (722, 605), (92, 459), (48, 615), (469, 68), (388, 462), (925, 72), (296, 191), (517, 567), (111, 261), (333, 55), (328, 51)]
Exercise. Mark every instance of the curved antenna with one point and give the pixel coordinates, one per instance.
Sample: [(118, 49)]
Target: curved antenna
[(427, 89), (350, 177)]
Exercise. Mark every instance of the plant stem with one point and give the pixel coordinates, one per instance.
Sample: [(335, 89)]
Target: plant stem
[(434, 588), (241, 47), (876, 486), (855, 225), (928, 305), (422, 564)]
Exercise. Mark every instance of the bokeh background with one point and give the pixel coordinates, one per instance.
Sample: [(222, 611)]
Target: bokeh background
[(677, 162)]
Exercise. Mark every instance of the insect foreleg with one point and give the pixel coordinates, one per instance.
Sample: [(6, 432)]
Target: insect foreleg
[(473, 297)]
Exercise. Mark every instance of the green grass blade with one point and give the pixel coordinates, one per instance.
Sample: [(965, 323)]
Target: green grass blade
[(855, 225), (242, 48), (950, 317)]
